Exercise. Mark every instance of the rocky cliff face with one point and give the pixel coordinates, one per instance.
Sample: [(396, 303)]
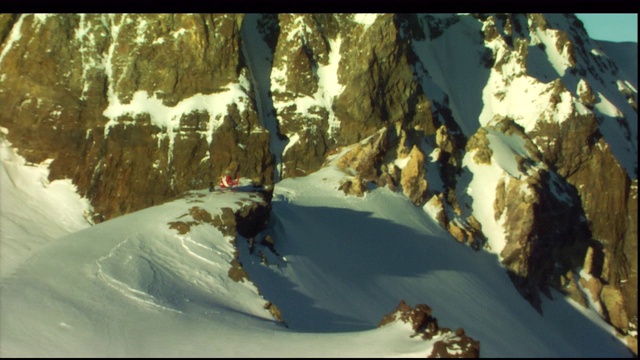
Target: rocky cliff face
[(135, 109), (516, 132)]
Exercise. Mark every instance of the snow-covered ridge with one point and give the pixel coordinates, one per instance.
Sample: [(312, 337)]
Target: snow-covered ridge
[(155, 283)]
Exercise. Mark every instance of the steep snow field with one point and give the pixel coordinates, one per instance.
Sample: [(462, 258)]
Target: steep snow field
[(132, 286), (625, 56), (33, 211)]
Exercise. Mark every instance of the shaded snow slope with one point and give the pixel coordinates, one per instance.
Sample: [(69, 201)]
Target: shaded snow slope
[(259, 59), (451, 61), (350, 260), (33, 210), (625, 55)]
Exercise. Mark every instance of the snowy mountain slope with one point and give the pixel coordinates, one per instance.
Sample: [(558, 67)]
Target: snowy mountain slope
[(344, 252), (545, 75), (625, 55), (33, 210), (613, 94), (132, 286), (451, 61)]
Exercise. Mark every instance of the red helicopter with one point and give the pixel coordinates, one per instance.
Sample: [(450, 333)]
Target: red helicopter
[(226, 182)]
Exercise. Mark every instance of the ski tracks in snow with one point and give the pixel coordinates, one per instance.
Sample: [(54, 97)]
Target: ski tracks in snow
[(169, 271), (141, 297)]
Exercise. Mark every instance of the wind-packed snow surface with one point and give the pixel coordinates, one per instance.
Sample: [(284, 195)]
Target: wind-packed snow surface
[(132, 286)]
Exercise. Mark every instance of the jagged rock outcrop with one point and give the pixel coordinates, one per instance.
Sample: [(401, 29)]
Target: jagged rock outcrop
[(412, 178), (546, 235), (587, 97), (251, 220), (373, 82), (575, 143), (247, 221), (304, 45), (445, 342), (363, 162), (379, 85), (356, 186), (545, 232), (445, 207), (366, 156), (581, 155), (629, 278)]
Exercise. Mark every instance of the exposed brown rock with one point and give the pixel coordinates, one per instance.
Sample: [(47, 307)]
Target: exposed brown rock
[(274, 311), (573, 289), (247, 221), (299, 55), (490, 31), (356, 186), (236, 271), (386, 180), (499, 202), (447, 344), (366, 156), (480, 144), (611, 298), (414, 184), (306, 155), (445, 141), (456, 232), (581, 156), (394, 173), (375, 59), (544, 233), (587, 97), (378, 64), (253, 218), (181, 226), (437, 202), (269, 242), (537, 22), (565, 47), (58, 96), (628, 282), (460, 346)]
